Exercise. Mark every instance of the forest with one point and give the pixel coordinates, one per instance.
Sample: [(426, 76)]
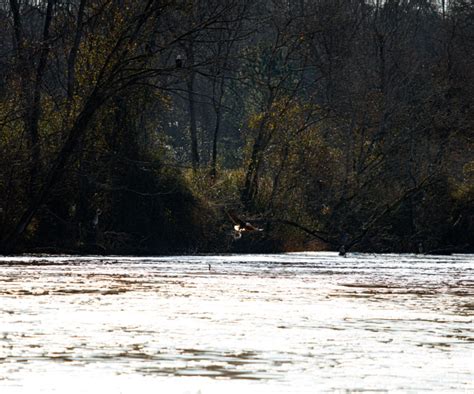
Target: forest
[(135, 126)]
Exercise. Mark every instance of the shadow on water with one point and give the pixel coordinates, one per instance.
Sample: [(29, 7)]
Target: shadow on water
[(246, 365)]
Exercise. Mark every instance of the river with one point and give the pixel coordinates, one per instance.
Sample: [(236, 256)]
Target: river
[(286, 323)]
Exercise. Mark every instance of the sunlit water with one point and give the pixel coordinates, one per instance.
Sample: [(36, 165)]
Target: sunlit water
[(294, 323)]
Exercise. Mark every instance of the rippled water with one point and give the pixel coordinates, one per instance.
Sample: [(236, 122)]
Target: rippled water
[(292, 323)]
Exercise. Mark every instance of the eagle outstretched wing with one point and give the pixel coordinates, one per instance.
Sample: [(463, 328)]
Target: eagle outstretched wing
[(241, 225), (235, 219)]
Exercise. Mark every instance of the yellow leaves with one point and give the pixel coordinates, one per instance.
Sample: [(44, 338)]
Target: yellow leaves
[(464, 191), (11, 108), (468, 170), (109, 45), (285, 115), (92, 54), (288, 123), (165, 99), (293, 148), (255, 120)]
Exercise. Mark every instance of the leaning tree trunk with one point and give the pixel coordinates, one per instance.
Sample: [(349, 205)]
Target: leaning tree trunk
[(56, 171), (252, 175)]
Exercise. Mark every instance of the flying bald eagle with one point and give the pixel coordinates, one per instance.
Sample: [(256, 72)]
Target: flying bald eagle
[(241, 226)]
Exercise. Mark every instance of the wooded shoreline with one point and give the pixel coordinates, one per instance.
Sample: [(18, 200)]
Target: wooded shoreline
[(132, 127)]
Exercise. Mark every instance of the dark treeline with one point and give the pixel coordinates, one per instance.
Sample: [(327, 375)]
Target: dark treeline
[(132, 126)]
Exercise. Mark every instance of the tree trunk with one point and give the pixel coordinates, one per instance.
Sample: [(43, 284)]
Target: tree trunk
[(192, 111), (214, 144), (71, 61), (31, 88), (251, 177), (35, 109), (218, 111)]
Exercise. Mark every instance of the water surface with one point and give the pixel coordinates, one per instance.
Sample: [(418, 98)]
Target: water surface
[(287, 323)]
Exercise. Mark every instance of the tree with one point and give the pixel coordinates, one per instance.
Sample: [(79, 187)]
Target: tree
[(114, 51)]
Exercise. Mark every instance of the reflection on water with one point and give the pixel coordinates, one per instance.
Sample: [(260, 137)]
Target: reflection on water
[(303, 323)]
